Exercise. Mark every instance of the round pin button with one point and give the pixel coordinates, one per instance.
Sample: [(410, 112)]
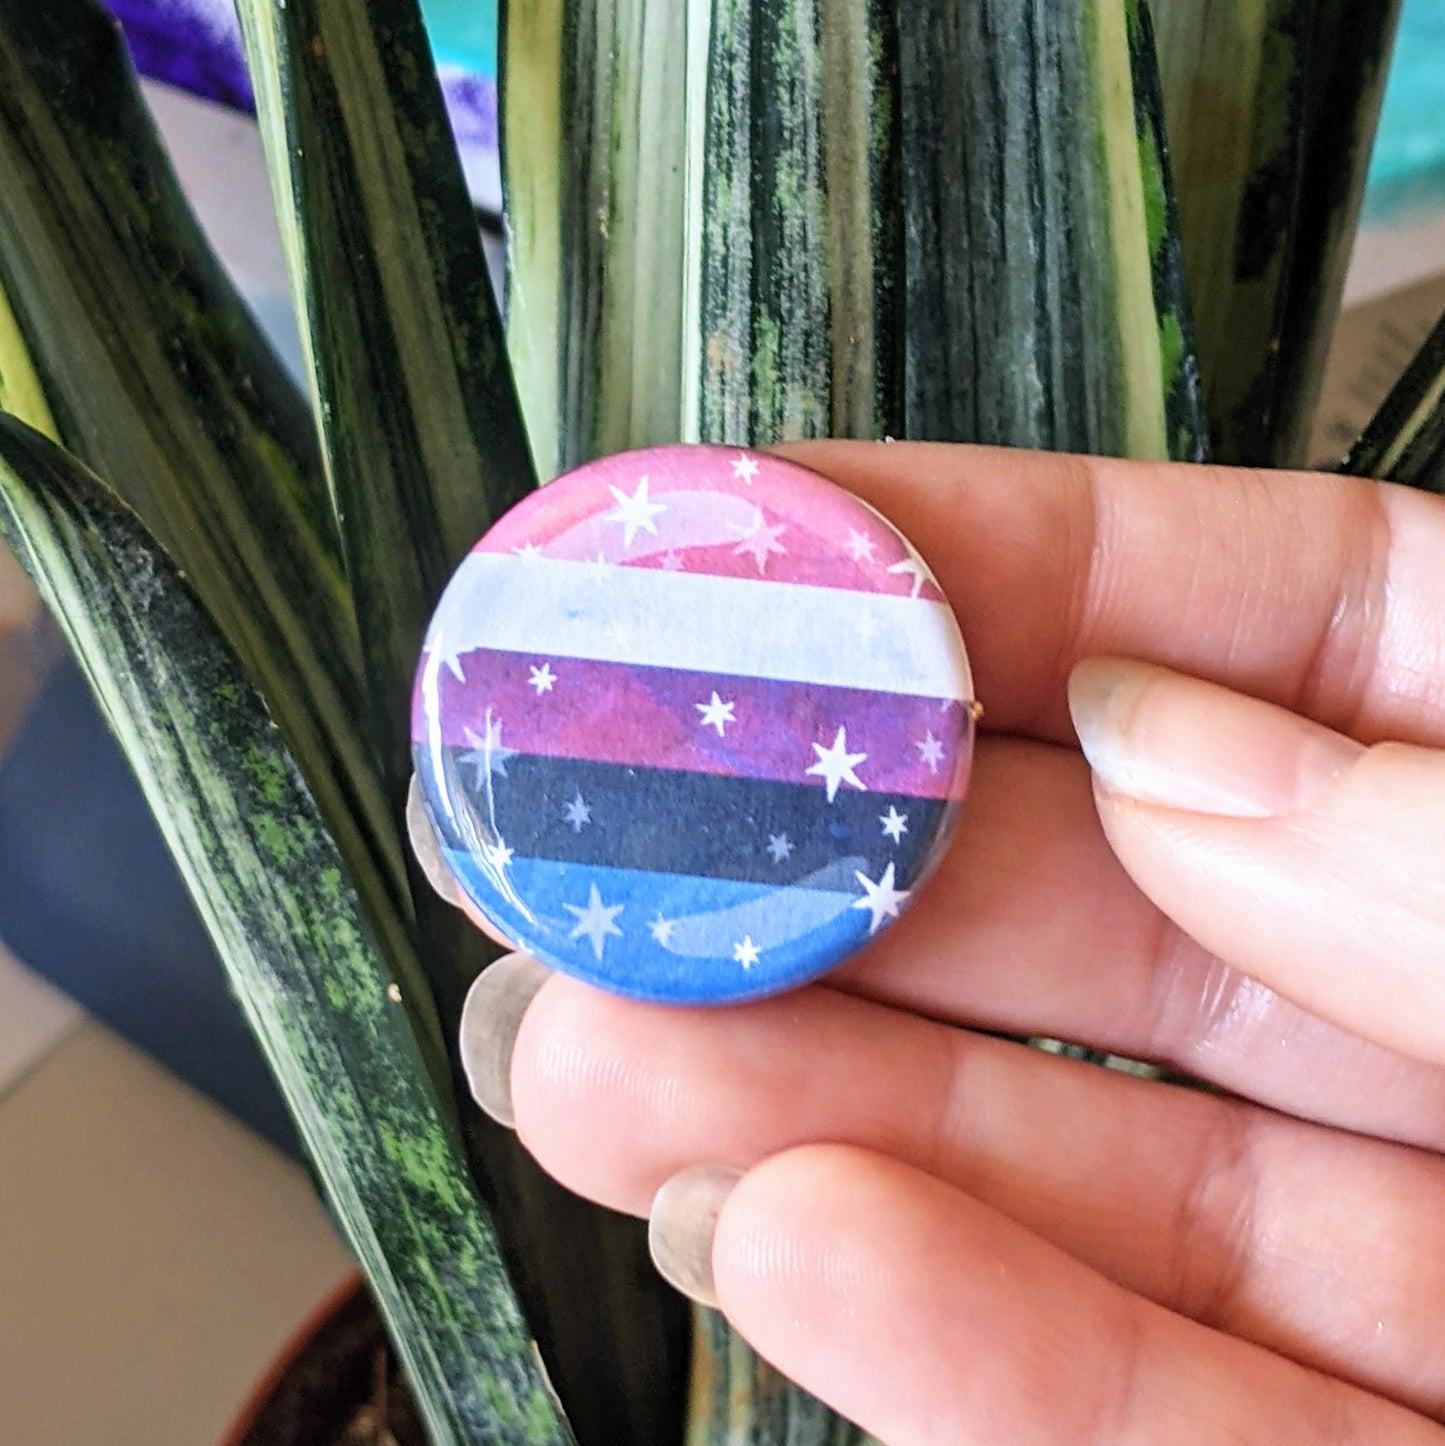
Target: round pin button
[(692, 724)]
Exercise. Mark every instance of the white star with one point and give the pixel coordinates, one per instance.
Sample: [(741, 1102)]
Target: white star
[(880, 899), (542, 679), (599, 569), (488, 755), (662, 930), (930, 750), (634, 513), (866, 626), (745, 468), (672, 561), (528, 551), (835, 765), (595, 921), (578, 813), (498, 854), (716, 714), (758, 541), (450, 658), (780, 846), (860, 546), (746, 952), (895, 824), (913, 567)]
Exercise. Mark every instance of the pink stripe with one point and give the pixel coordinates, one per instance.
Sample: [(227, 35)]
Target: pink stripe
[(649, 717), (787, 525)]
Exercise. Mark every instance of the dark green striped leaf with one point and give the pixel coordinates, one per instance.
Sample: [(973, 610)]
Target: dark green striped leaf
[(594, 112), (1045, 306), (158, 378), (1271, 108), (944, 220), (424, 445), (271, 886), (421, 434), (1405, 442)]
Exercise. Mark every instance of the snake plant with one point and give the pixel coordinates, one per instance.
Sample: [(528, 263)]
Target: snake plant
[(737, 221)]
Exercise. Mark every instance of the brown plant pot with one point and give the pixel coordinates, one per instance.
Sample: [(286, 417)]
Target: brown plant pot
[(334, 1384)]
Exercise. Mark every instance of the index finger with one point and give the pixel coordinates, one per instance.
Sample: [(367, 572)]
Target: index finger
[(1323, 594)]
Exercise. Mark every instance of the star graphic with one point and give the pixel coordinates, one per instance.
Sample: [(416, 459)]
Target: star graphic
[(895, 824), (930, 750), (860, 546), (662, 930), (489, 755), (912, 566), (527, 551), (780, 846), (882, 900), (672, 561), (636, 513), (578, 813), (595, 921), (451, 659), (542, 679), (866, 626), (498, 855), (745, 468), (746, 952), (759, 541), (599, 569), (835, 765), (716, 714)]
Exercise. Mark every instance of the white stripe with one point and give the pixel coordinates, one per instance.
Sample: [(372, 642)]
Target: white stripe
[(784, 631)]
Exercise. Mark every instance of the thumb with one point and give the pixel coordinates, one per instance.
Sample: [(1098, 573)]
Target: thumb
[(1297, 855)]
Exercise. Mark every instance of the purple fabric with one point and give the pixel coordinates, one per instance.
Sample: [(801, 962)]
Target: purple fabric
[(195, 44)]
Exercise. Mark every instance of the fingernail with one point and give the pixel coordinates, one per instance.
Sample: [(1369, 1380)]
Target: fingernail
[(1162, 738), (428, 849), (682, 1225), (491, 1018)]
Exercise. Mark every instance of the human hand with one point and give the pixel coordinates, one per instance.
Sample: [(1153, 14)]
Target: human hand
[(950, 1237)]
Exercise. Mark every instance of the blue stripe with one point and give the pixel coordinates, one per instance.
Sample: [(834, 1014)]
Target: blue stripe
[(790, 928)]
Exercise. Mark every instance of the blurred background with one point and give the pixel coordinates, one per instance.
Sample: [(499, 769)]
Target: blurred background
[(159, 1240)]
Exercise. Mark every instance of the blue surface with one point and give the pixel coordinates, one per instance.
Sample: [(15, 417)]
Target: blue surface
[(1408, 167), (463, 33), (89, 898)]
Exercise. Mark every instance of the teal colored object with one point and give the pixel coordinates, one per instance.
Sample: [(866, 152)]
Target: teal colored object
[(464, 34), (1408, 169)]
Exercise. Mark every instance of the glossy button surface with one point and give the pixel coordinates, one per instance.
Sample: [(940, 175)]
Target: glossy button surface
[(692, 724)]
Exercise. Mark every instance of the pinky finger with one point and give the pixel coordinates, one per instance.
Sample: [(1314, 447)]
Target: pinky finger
[(927, 1318)]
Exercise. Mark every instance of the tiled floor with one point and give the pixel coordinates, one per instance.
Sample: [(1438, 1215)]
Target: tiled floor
[(154, 1254)]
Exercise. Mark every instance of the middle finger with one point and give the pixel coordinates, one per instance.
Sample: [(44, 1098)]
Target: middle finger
[(1031, 926)]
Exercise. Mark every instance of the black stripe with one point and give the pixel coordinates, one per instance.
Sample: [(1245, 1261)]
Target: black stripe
[(691, 823)]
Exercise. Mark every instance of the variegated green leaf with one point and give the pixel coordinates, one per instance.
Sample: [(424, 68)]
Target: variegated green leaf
[(424, 445), (1271, 108), (838, 274), (594, 113), (1405, 442), (271, 886), (1045, 302), (421, 434), (158, 377)]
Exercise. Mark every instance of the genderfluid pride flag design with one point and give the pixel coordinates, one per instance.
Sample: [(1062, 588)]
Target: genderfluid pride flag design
[(692, 724)]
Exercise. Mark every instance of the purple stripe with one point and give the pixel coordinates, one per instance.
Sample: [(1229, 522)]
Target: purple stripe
[(650, 717)]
